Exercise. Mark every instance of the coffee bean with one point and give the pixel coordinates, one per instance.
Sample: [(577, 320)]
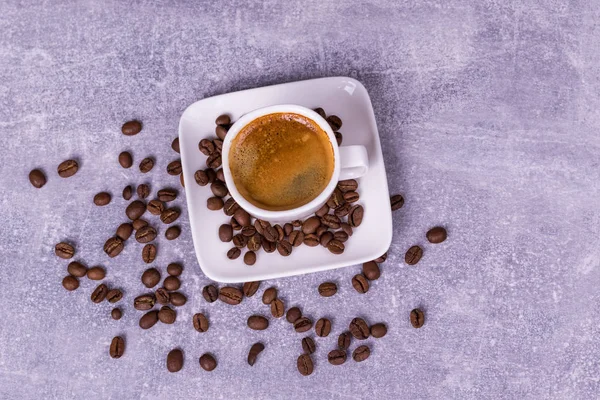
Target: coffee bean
[(344, 340), (139, 224), (225, 233), (417, 318), (218, 147), (233, 253), (96, 273), (200, 322), (311, 225), (326, 238), (280, 232), (219, 189), (351, 197), (335, 122), (305, 365), (371, 270), (321, 230), (125, 159), (210, 293), (171, 283), (250, 288), (231, 295), (131, 128), (343, 210), (116, 314), (277, 308), (145, 234), (359, 329), (175, 145), (355, 216), (436, 235), (149, 253), (397, 201), (117, 347), (323, 327), (255, 350), (336, 357), (124, 231), (114, 295), (340, 236), (361, 353), (172, 232), (349, 185), (339, 138), (156, 207), (250, 258), (360, 283), (76, 269), (347, 229), (336, 200), (208, 362), (223, 120), (381, 259), (240, 241), (308, 345), (67, 168), (336, 247), (214, 160), (162, 296), (284, 248), (64, 250), (167, 315), (296, 223), (221, 131), (174, 269), (177, 299), (250, 231), (321, 212), (311, 240), (175, 360), (293, 314), (296, 238), (144, 302), (413, 255), (135, 210), (170, 215), (99, 294), (146, 165), (327, 289), (270, 233), (221, 175), (288, 229), (269, 295), (321, 112), (174, 168), (235, 226), (167, 195), (201, 177), (70, 283), (206, 147), (242, 217), (230, 207), (214, 203), (258, 323), (211, 174), (113, 247), (378, 330), (151, 277), (302, 324), (37, 178), (331, 221), (127, 192), (269, 247), (143, 191)]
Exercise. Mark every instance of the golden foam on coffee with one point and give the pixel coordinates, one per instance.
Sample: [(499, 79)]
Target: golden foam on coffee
[(281, 161)]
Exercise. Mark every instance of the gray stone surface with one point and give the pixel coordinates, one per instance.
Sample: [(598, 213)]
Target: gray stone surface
[(488, 114)]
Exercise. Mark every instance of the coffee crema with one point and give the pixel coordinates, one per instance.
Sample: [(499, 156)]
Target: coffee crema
[(281, 161)]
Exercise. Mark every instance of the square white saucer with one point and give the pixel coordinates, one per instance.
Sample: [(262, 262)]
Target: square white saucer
[(344, 97)]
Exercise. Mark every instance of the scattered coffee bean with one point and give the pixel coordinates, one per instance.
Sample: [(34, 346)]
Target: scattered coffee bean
[(413, 255), (308, 345), (131, 128), (311, 240), (214, 203), (417, 318), (125, 159), (280, 232), (340, 236), (343, 210), (344, 340), (208, 362), (70, 283), (221, 131), (223, 120), (233, 253), (149, 253), (144, 302), (167, 315), (135, 210), (116, 314), (171, 283), (346, 228), (67, 168), (219, 189), (177, 299), (331, 221), (156, 207), (145, 234), (242, 217), (436, 235), (326, 238), (258, 322), (174, 168), (64, 250), (293, 314), (76, 269), (321, 230), (311, 225), (269, 247), (99, 294), (96, 273), (355, 216), (327, 289), (351, 197), (296, 238), (397, 201), (139, 224), (339, 138), (323, 327), (151, 277), (381, 259), (37, 178), (359, 329), (336, 357), (349, 185), (214, 160), (200, 322), (143, 191), (305, 365), (162, 296), (175, 145), (231, 295), (201, 177), (361, 353), (302, 324), (249, 231), (211, 174), (113, 247), (146, 165), (250, 288), (336, 247), (174, 269), (336, 200), (335, 122), (255, 350), (127, 192), (221, 175), (321, 212), (321, 112), (240, 241), (360, 283), (206, 147), (250, 258), (277, 308), (371, 270), (170, 215), (378, 330), (117, 347), (269, 295), (124, 231), (167, 195), (210, 293), (175, 360), (114, 295), (172, 232), (284, 248)]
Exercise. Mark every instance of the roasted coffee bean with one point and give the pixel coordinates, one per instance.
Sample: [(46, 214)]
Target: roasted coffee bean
[(254, 242), (308, 345), (211, 175), (288, 229), (127, 192), (167, 315), (351, 197), (335, 122), (172, 232), (139, 224), (381, 259), (206, 147), (177, 299), (219, 189), (260, 226), (145, 234), (311, 240), (200, 322), (117, 347), (235, 226), (225, 233), (114, 295), (167, 195), (361, 353), (302, 324), (331, 221), (230, 207), (255, 350), (131, 128), (336, 357), (349, 185), (124, 231), (378, 330), (231, 295), (277, 308), (135, 210), (321, 212), (125, 159), (67, 168), (250, 258), (113, 247), (269, 295), (214, 160), (321, 112), (336, 200), (436, 235), (359, 329), (311, 225), (170, 215), (250, 288), (371, 270), (270, 233), (339, 138), (344, 340), (143, 191), (280, 232), (64, 250), (343, 210), (234, 253), (305, 365), (99, 294), (175, 360), (355, 216), (417, 318), (76, 269), (174, 269), (210, 293), (258, 322), (37, 178), (284, 248), (223, 119), (144, 302), (149, 253), (413, 255), (102, 199), (221, 131), (269, 247), (116, 314), (70, 283), (174, 168), (146, 165), (360, 283), (156, 207), (201, 177), (208, 362), (175, 145), (321, 230), (162, 296), (151, 277), (218, 147), (249, 231), (96, 273), (171, 283), (296, 238), (326, 238), (346, 228), (242, 217), (323, 327), (340, 236), (240, 241), (293, 314), (397, 201), (214, 203), (336, 247)]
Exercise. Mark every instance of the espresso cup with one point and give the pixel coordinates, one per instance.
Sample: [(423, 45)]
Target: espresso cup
[(349, 162)]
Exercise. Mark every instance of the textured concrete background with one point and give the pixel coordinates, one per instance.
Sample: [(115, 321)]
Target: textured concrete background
[(488, 114)]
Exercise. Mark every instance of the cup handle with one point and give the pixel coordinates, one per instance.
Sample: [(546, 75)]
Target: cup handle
[(354, 162)]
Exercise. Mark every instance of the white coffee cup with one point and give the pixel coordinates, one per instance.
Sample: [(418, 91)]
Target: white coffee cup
[(349, 162)]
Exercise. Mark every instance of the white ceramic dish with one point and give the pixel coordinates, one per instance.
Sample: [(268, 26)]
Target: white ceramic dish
[(345, 97)]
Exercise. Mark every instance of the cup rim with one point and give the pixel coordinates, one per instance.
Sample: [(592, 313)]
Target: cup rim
[(307, 208)]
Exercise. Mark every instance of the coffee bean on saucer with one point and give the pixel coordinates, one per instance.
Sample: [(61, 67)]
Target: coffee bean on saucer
[(305, 365), (146, 165), (249, 231), (206, 147), (255, 350), (211, 174), (231, 206), (284, 248), (417, 318), (167, 315), (302, 324), (296, 238), (113, 247), (240, 241), (201, 177), (336, 200), (351, 197), (360, 283), (70, 283), (326, 238), (436, 235), (221, 132), (346, 228), (231, 295), (139, 224), (277, 308), (336, 357), (340, 236), (67, 168), (331, 221), (64, 250), (378, 330), (235, 226), (397, 201), (156, 207), (174, 269), (76, 269), (254, 242), (242, 217), (124, 231), (214, 160), (323, 327), (114, 295), (116, 314), (308, 345), (96, 273), (135, 210), (162, 296), (151, 277), (359, 329), (355, 216), (117, 347), (173, 232), (172, 283), (258, 322), (208, 362), (311, 240), (175, 360), (37, 178), (269, 295), (343, 210), (293, 314), (167, 195), (250, 258), (214, 203), (413, 255), (321, 230), (311, 225), (349, 185), (288, 229), (177, 299), (99, 294), (225, 233), (335, 122), (223, 119), (144, 302), (371, 270), (344, 340), (174, 168), (321, 212), (381, 259), (170, 215), (321, 112), (131, 128), (269, 247), (250, 288), (339, 138), (125, 159), (175, 145), (218, 147), (336, 247), (145, 234), (361, 353), (200, 322), (234, 253), (127, 192), (143, 191), (210, 293)]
